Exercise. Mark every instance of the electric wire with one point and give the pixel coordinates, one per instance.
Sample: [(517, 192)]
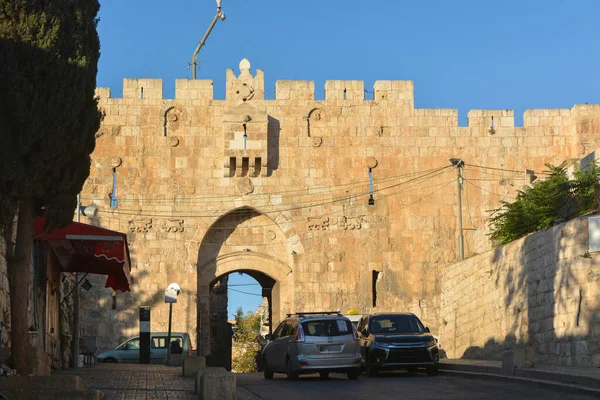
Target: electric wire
[(306, 239), (171, 213), (309, 191), (300, 220), (252, 213), (248, 293), (501, 169), (490, 192)]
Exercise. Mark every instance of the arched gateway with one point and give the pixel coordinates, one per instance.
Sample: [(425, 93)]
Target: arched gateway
[(243, 240)]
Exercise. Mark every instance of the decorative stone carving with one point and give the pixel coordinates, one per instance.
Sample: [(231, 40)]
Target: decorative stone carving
[(318, 223), (108, 131), (351, 223), (173, 116), (317, 141), (371, 162), (271, 235), (140, 225), (116, 162), (317, 115), (244, 186), (244, 91), (173, 141), (343, 222), (172, 225)]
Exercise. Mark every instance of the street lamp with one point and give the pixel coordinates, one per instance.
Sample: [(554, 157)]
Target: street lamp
[(173, 290), (219, 15)]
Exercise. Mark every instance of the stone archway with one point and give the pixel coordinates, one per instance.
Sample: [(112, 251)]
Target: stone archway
[(247, 241)]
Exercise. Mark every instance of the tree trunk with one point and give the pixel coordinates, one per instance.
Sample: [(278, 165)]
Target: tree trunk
[(18, 273)]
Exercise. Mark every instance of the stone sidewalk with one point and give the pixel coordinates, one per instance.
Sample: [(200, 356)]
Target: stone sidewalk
[(573, 379), (136, 382)]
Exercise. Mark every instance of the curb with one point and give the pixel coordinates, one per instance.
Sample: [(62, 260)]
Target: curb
[(565, 387)]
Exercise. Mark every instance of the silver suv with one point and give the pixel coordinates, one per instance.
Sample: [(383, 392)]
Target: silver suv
[(307, 343)]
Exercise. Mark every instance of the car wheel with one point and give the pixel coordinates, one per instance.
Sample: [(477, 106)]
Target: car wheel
[(110, 360), (324, 374), (353, 375), (432, 371), (291, 374), (267, 373)]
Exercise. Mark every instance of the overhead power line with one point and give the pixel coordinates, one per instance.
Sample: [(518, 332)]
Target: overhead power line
[(239, 291), (274, 210)]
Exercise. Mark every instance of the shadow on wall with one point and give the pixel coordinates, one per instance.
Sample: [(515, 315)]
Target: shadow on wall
[(552, 299), (273, 134)]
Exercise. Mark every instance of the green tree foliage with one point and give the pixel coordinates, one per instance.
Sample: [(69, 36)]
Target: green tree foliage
[(548, 202), (49, 52), (246, 343)]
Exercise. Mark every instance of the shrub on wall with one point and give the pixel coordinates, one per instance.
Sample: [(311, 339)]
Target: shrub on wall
[(554, 200)]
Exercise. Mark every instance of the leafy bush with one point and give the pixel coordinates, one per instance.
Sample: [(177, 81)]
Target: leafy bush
[(246, 343), (546, 203)]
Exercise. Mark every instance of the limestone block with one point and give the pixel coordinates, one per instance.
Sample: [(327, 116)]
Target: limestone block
[(191, 365), (217, 384), (200, 374)]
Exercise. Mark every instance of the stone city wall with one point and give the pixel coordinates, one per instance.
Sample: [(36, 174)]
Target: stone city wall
[(539, 295), (279, 188)]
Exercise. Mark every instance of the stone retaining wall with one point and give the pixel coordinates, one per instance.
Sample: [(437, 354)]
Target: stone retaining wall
[(539, 295)]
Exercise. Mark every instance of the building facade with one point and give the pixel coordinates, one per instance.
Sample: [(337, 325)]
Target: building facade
[(338, 203)]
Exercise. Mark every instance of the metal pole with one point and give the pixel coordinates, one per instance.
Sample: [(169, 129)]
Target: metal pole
[(169, 334), (218, 15), (75, 337), (461, 240)]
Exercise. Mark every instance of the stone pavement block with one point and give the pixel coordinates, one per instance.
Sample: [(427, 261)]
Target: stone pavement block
[(201, 373), (192, 364), (217, 385), (32, 383), (53, 394)]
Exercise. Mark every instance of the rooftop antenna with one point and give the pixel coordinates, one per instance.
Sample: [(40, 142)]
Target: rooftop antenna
[(219, 15)]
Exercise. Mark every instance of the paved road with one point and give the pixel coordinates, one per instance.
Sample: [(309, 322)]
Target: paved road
[(155, 382), (396, 386)]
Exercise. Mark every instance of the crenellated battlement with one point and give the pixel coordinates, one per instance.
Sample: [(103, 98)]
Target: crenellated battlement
[(395, 95)]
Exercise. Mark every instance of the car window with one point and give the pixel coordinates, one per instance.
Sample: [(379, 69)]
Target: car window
[(327, 327), (133, 344), (158, 342), (286, 328), (293, 329), (396, 324), (277, 332)]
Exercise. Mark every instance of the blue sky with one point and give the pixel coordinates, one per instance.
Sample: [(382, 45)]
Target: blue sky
[(463, 54)]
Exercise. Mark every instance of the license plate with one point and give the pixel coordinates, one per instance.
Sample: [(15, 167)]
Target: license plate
[(330, 348)]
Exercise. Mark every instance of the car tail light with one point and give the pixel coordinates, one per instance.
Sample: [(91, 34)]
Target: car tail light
[(300, 334), (189, 352), (354, 332)]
